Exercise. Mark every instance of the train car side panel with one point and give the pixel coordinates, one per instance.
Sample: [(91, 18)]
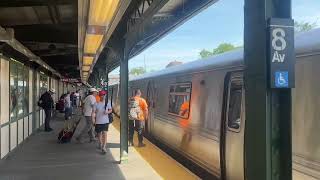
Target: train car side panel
[(306, 118)]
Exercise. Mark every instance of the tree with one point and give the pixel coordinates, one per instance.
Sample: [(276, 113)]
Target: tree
[(304, 26), (223, 47), (205, 53), (137, 71)]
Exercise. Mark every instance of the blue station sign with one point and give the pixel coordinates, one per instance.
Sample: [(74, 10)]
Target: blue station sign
[(281, 54)]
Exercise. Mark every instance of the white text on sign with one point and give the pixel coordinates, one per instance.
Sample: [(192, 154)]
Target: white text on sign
[(278, 44)]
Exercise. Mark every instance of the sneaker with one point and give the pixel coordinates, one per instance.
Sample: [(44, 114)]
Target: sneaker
[(141, 145), (104, 150)]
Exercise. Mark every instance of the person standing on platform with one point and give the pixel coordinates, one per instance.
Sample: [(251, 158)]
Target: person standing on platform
[(77, 96), (72, 101), (46, 102), (138, 113), (88, 112), (67, 106), (102, 111)]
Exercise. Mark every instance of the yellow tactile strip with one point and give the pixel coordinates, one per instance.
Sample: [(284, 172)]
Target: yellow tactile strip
[(163, 164)]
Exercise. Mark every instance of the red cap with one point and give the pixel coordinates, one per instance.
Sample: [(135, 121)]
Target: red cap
[(102, 93)]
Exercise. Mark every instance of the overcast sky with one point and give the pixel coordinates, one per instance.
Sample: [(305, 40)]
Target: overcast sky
[(221, 22)]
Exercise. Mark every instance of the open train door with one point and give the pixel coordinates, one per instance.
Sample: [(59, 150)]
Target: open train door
[(234, 129)]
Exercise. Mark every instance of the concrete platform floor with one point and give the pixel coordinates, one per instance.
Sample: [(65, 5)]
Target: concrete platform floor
[(42, 158)]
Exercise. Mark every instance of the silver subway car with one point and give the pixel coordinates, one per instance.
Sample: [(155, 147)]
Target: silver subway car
[(197, 109)]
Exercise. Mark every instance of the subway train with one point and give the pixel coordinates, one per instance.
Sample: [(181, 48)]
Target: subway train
[(197, 109)]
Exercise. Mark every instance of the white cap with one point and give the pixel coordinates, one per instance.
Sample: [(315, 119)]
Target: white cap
[(93, 90), (52, 90)]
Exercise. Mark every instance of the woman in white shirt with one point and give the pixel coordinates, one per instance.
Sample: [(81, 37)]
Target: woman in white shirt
[(102, 120)]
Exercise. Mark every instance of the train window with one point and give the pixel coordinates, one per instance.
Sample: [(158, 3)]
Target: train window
[(179, 100), (234, 105)]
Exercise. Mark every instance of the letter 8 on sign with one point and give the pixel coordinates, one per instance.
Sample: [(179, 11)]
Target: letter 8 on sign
[(278, 36)]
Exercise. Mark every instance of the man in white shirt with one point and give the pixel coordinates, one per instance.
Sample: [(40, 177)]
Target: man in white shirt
[(88, 111), (102, 111), (77, 96)]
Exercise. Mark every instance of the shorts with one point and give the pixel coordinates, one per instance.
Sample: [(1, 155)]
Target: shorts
[(101, 127)]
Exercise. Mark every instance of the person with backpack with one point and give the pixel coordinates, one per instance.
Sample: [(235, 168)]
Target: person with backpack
[(102, 110), (138, 113), (88, 111), (46, 102)]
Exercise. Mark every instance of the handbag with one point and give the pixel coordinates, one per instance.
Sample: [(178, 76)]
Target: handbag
[(110, 115)]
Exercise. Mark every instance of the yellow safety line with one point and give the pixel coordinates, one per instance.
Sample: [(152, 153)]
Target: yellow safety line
[(163, 164)]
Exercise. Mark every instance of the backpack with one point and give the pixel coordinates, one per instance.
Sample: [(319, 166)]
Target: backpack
[(40, 103), (134, 109)]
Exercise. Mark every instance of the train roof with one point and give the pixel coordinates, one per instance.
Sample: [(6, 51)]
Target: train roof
[(306, 43)]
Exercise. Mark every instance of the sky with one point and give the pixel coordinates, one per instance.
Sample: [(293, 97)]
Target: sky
[(222, 22)]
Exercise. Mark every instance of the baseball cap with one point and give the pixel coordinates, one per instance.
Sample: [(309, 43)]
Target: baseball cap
[(102, 93), (52, 90), (93, 90)]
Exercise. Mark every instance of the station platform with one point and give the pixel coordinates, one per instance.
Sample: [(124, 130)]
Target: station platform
[(40, 157)]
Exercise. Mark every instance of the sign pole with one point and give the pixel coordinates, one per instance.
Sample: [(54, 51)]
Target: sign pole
[(124, 107), (268, 79)]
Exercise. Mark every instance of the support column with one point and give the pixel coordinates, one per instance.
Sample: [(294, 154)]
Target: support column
[(124, 107), (107, 82), (268, 147), (101, 77), (96, 80)]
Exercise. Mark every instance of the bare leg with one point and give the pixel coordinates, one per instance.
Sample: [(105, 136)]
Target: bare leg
[(100, 137), (104, 139)]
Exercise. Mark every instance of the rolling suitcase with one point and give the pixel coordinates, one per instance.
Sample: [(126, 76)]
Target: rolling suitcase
[(65, 135)]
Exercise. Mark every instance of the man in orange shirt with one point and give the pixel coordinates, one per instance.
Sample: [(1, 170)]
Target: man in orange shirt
[(185, 124), (184, 112), (138, 123), (97, 98)]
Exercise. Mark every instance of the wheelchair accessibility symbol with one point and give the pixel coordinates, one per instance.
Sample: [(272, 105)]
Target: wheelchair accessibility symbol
[(281, 79)]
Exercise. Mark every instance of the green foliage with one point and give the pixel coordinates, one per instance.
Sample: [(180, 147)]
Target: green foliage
[(223, 47), (304, 26), (137, 71), (205, 53)]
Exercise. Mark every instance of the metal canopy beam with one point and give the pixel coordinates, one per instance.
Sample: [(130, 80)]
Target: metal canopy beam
[(26, 3), (268, 148), (55, 33), (23, 50), (152, 28)]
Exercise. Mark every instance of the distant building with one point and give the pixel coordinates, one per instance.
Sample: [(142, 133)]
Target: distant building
[(174, 63)]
